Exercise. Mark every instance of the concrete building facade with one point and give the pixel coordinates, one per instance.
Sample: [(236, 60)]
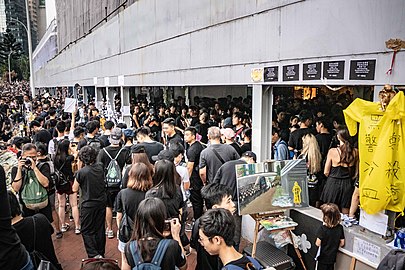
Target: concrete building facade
[(208, 43)]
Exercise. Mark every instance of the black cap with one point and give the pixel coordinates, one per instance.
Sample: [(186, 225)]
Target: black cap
[(249, 154), (136, 149), (164, 154)]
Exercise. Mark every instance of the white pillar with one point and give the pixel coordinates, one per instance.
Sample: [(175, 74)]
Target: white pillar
[(261, 121)]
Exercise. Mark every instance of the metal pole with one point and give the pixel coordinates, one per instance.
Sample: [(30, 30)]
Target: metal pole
[(9, 67), (30, 49)]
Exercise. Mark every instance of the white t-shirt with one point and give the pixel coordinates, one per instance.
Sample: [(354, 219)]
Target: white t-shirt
[(183, 172)]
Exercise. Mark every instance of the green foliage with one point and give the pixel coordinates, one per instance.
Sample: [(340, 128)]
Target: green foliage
[(10, 46)]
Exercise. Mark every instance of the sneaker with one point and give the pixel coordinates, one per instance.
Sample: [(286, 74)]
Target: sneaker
[(77, 231), (59, 235), (344, 216), (71, 218), (347, 223), (353, 220), (98, 257), (65, 228), (110, 234)]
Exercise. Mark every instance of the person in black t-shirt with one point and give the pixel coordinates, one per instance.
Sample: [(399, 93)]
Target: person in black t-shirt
[(193, 157), (216, 196), (149, 230), (108, 125), (247, 137), (152, 148), (40, 134), (202, 127), (25, 230), (123, 156), (324, 137), (295, 141), (166, 188), (128, 200), (330, 237), (217, 228), (226, 175), (19, 177), (171, 135), (90, 179)]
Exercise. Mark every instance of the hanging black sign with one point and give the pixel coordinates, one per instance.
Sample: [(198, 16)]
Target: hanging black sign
[(312, 71), (334, 70), (362, 69), (271, 74), (291, 73)]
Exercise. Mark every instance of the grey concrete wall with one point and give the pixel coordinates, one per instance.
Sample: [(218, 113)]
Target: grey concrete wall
[(209, 42)]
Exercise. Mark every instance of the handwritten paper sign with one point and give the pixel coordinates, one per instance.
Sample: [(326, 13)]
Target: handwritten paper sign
[(376, 223), (366, 250)]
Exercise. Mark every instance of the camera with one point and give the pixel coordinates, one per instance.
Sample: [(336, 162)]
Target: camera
[(167, 225), (27, 162)]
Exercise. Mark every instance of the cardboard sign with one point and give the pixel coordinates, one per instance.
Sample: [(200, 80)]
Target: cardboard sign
[(376, 223)]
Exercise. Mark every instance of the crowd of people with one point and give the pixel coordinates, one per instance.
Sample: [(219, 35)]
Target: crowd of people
[(170, 171)]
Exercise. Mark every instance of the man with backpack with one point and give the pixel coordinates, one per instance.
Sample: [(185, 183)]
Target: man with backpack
[(31, 184), (113, 158), (91, 138)]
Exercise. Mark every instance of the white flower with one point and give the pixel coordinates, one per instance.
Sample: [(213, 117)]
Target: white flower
[(305, 245)]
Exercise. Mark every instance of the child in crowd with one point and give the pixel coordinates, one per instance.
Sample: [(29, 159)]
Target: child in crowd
[(330, 237)]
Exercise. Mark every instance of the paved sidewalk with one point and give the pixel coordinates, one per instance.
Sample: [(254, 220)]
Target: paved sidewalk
[(70, 250)]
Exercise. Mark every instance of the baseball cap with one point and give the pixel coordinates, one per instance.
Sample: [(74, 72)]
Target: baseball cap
[(164, 154), (249, 154), (129, 133), (115, 136), (228, 122), (228, 133)]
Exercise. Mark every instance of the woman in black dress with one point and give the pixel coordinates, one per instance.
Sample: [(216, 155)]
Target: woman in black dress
[(341, 167)]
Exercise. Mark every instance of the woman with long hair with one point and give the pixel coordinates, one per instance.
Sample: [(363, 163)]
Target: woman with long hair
[(148, 235), (310, 152), (139, 156), (341, 168), (128, 200), (166, 188), (63, 162)]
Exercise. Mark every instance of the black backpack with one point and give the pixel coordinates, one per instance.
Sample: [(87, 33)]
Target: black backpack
[(394, 260), (94, 142), (58, 179)]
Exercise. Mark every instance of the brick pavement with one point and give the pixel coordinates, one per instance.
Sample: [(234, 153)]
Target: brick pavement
[(70, 250)]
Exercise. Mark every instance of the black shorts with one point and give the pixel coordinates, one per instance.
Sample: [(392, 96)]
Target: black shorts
[(111, 196)]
